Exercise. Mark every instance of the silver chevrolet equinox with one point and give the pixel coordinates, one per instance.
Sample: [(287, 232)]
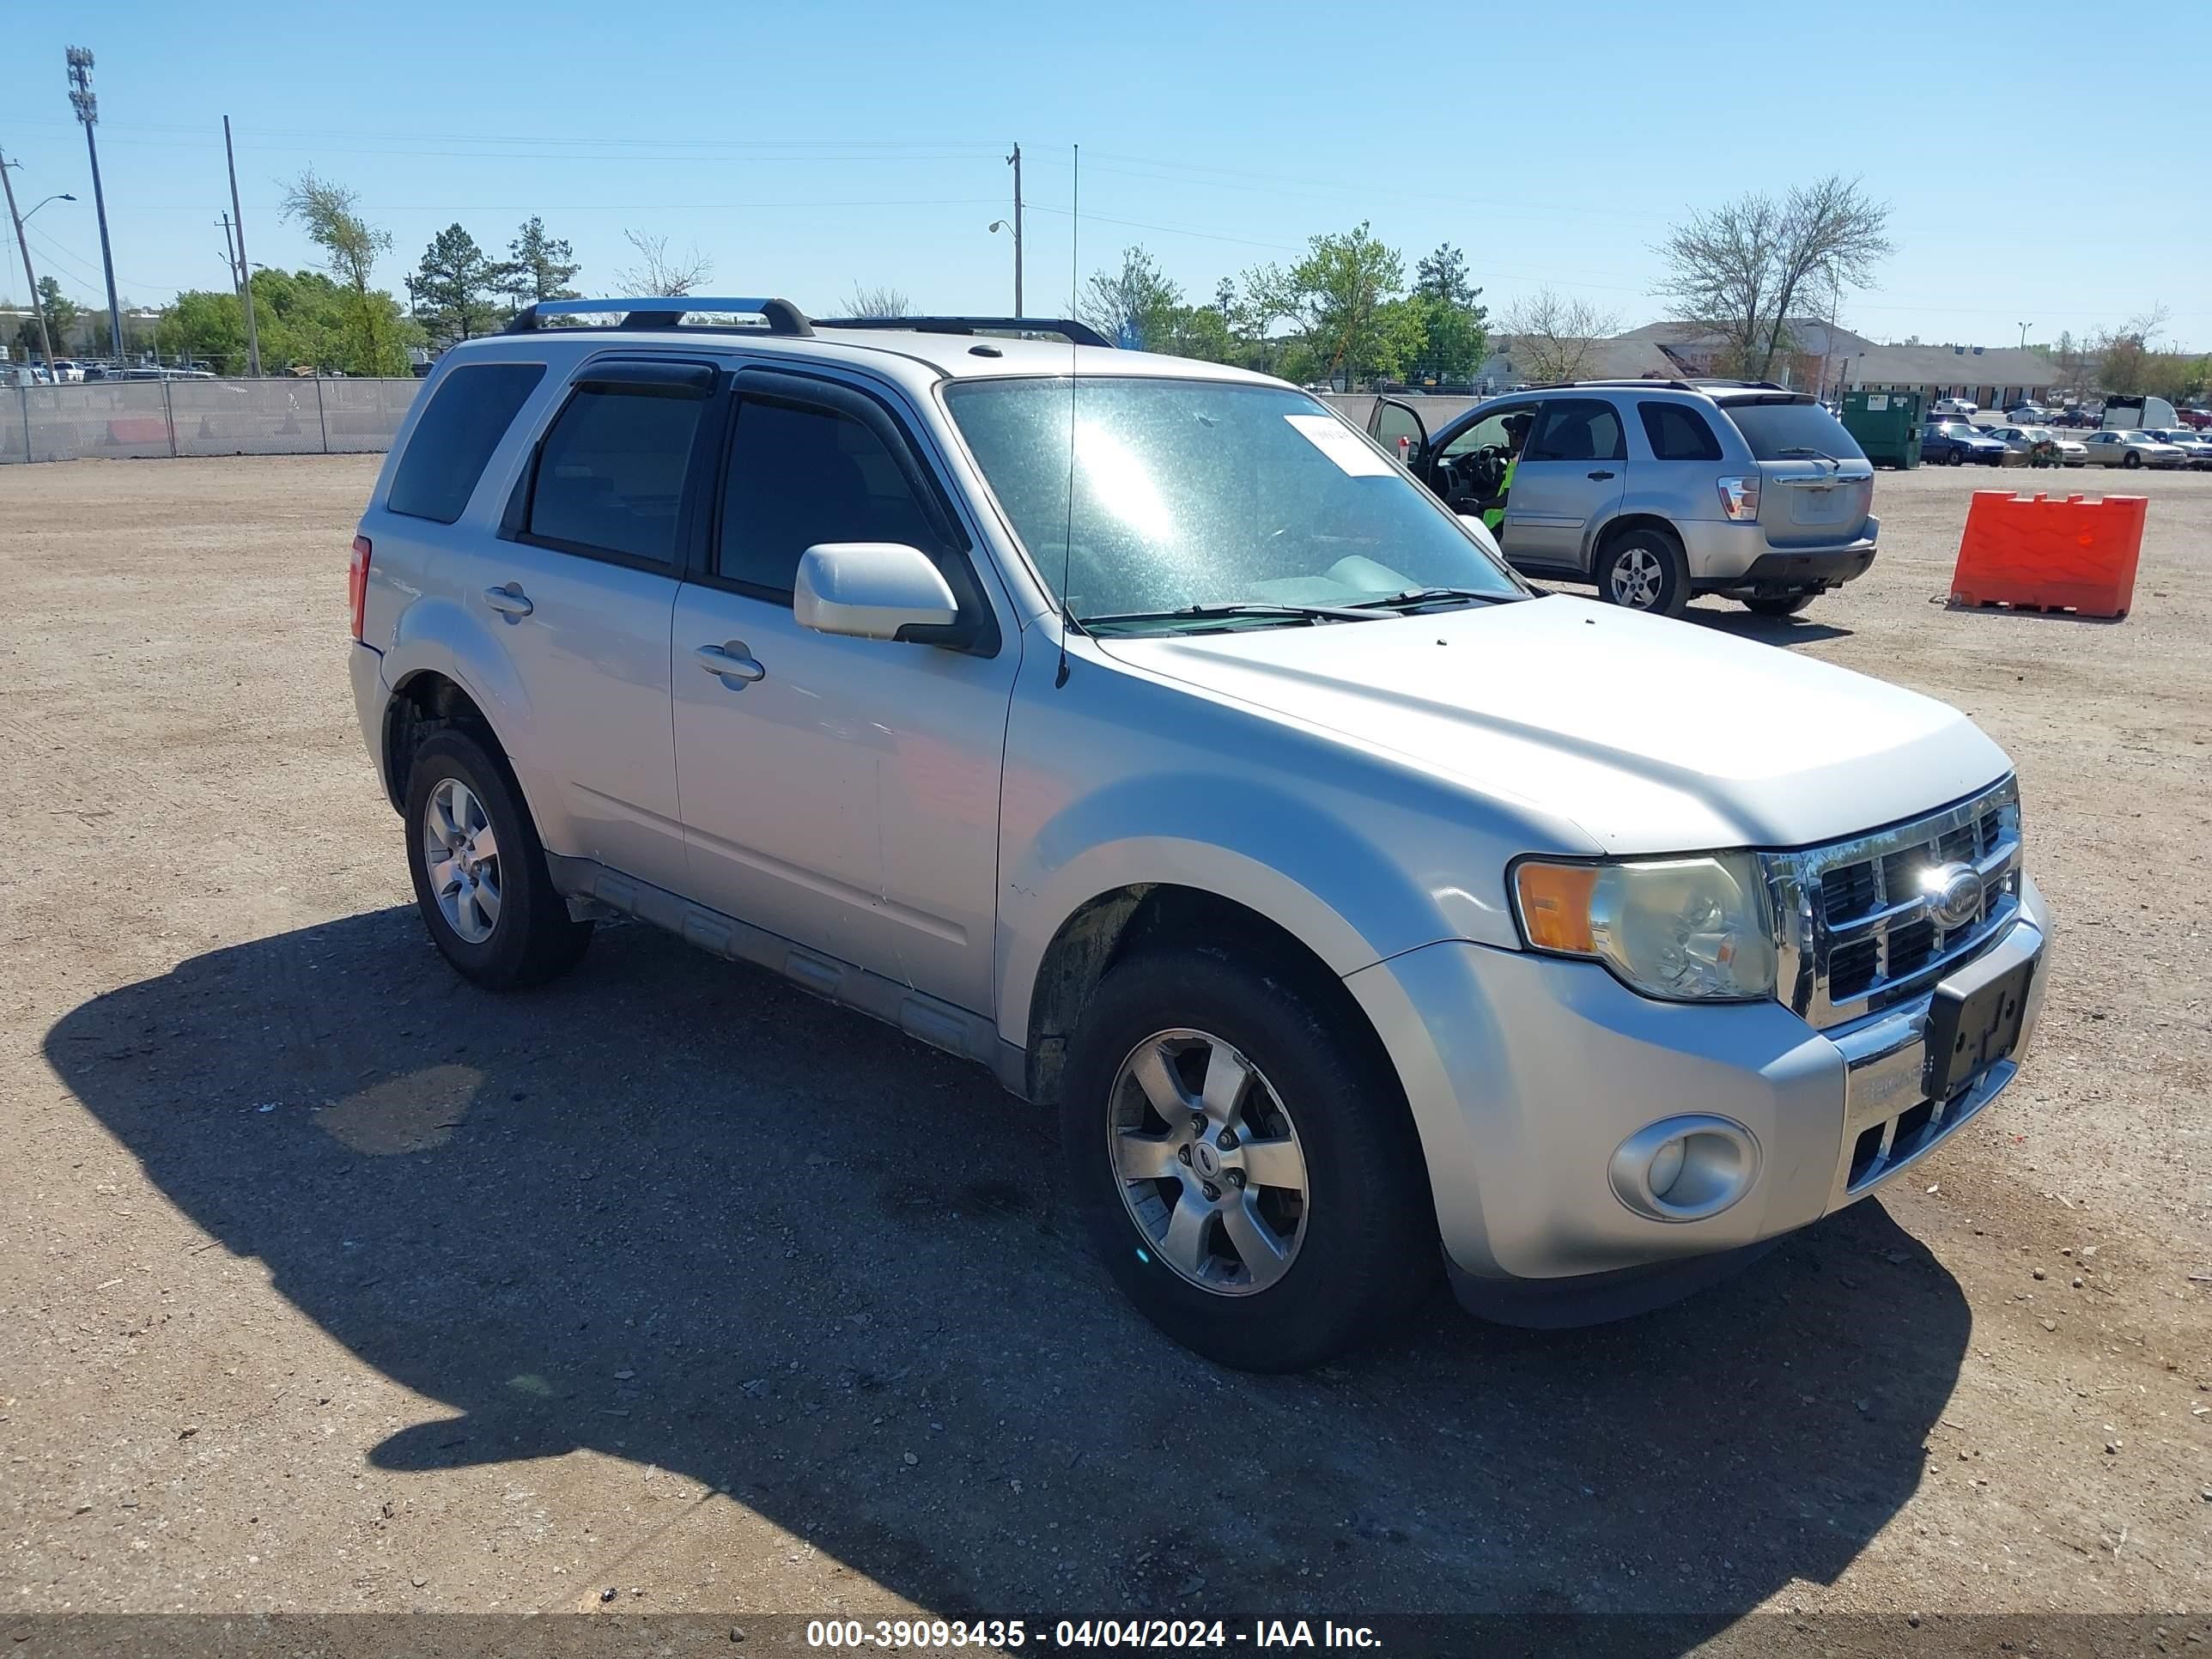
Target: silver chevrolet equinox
[(1657, 490), (1138, 728)]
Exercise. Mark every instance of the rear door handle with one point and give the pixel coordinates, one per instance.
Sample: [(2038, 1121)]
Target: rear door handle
[(1601, 475), (731, 661), (509, 601)]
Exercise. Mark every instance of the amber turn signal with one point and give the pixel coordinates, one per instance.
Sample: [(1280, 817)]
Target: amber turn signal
[(1555, 905)]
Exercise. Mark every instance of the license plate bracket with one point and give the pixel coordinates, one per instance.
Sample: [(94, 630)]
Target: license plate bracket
[(1968, 1025)]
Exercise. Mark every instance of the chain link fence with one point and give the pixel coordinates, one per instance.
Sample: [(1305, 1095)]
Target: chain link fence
[(123, 419)]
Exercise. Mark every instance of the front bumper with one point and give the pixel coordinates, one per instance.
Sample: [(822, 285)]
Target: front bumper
[(1526, 1072)]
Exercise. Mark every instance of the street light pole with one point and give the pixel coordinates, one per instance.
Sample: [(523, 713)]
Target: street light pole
[(45, 339), (1015, 160), (2023, 337), (245, 271), (88, 111)]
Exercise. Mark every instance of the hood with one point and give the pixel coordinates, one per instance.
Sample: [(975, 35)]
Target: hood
[(1649, 735)]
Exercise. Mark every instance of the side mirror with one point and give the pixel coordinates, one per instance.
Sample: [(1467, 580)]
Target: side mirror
[(1476, 527), (872, 591)]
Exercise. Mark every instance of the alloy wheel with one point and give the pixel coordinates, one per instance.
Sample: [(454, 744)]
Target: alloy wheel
[(1207, 1162), (461, 854), (1637, 578)]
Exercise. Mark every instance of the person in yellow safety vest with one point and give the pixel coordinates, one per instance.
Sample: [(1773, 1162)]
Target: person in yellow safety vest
[(1516, 437)]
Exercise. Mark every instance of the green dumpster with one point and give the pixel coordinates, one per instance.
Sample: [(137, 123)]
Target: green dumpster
[(1887, 425)]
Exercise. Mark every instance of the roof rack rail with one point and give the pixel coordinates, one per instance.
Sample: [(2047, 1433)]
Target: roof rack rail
[(668, 311), (1061, 328)]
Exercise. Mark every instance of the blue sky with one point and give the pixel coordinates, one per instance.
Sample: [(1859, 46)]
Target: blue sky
[(805, 149)]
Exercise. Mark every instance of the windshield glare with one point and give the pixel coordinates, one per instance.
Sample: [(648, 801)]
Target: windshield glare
[(1207, 493)]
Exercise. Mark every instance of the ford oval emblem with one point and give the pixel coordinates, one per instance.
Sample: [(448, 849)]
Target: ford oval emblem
[(1954, 895)]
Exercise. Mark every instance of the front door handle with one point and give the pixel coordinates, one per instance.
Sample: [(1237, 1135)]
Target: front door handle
[(729, 661), (1601, 475), (509, 601)]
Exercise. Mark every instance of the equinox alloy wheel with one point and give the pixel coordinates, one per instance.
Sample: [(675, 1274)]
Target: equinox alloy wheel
[(1641, 569), (1208, 1162)]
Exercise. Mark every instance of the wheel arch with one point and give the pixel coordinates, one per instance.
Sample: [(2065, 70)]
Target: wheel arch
[(422, 702), (1601, 538), (1111, 926)]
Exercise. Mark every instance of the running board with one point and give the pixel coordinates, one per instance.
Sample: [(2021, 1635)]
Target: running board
[(591, 888)]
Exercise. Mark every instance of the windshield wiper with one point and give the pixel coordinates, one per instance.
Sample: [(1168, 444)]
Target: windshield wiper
[(1413, 596), (1305, 613), (1807, 449)]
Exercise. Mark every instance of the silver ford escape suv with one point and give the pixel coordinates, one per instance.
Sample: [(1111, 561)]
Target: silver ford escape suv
[(1137, 728), (1657, 490)]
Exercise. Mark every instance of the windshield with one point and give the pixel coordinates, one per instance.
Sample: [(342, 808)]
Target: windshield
[(1208, 493), (1784, 432)]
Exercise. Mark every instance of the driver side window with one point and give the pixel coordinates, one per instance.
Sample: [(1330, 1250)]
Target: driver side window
[(1488, 432)]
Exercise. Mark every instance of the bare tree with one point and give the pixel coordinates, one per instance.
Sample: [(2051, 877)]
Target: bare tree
[(880, 299), (1556, 338), (657, 271), (1738, 270), (2126, 358)]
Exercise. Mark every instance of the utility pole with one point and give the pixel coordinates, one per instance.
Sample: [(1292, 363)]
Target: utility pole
[(88, 111), (1015, 160), (45, 340), (245, 271)]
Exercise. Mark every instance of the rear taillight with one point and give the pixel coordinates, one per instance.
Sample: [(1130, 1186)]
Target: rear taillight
[(358, 582), (1740, 497)]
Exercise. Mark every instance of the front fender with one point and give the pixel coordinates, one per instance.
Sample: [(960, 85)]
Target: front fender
[(1280, 854)]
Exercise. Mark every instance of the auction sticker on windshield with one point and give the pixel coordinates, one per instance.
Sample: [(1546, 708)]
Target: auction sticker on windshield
[(1337, 442)]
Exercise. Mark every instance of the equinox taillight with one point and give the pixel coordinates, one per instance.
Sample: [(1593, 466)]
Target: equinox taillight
[(358, 582), (1740, 497)]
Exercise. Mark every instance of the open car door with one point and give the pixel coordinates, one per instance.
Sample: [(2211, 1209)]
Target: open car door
[(1399, 428)]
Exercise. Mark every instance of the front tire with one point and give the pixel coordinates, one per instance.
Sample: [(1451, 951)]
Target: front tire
[(1246, 1171), (1644, 570), (2131, 460), (479, 870)]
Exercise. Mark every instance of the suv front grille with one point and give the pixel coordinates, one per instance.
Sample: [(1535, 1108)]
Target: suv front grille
[(1858, 933)]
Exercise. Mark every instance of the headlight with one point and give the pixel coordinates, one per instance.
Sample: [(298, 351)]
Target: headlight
[(1688, 930)]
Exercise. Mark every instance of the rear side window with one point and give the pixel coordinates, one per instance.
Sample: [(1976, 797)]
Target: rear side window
[(801, 476), (467, 415), (611, 471), (1792, 432), (1677, 434), (1576, 430)]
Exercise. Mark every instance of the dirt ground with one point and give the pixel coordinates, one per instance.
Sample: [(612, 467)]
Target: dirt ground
[(330, 1284)]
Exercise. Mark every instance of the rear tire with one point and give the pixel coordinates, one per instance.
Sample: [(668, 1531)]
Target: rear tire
[(1644, 569), (1787, 605), (489, 901), (1334, 1216)]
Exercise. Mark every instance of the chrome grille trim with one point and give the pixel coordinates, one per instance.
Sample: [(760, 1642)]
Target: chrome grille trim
[(1823, 973)]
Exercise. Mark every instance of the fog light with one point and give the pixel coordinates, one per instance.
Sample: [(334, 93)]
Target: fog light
[(1685, 1169)]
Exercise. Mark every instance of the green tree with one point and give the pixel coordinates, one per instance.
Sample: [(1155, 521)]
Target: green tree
[(451, 291), (351, 246), (1136, 302), (1336, 295), (1455, 329), (540, 267), (61, 314)]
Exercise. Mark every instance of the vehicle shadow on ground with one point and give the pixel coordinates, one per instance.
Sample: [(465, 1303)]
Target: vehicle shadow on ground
[(1772, 630), (676, 1211)]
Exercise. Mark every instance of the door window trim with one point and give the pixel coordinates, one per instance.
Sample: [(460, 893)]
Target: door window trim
[(598, 373), (779, 383)]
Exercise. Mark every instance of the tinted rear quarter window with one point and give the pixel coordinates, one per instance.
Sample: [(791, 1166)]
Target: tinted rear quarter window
[(1791, 432), (611, 471), (467, 415), (1677, 434)]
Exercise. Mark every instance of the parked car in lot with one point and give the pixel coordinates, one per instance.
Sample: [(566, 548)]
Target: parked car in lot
[(1952, 409), (2197, 420), (2028, 415), (2131, 448), (2196, 447), (1136, 727), (2074, 417), (1954, 443), (2026, 444), (1656, 490)]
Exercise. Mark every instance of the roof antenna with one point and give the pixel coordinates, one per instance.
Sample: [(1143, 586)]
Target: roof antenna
[(1067, 544)]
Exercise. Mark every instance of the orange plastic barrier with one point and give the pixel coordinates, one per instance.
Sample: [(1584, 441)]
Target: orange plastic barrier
[(2036, 554)]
